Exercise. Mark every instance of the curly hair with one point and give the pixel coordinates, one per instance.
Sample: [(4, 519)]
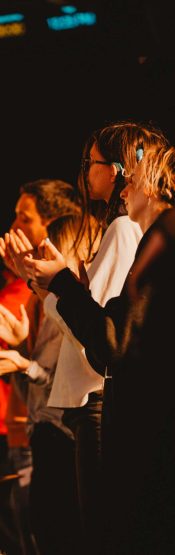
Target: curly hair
[(159, 173)]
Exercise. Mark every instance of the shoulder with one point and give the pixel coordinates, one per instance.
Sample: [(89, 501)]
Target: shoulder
[(125, 223), (122, 223), (122, 227)]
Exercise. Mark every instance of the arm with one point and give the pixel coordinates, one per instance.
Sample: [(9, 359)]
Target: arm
[(12, 361), (89, 322)]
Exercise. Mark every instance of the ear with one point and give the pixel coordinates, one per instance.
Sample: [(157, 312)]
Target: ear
[(114, 172)]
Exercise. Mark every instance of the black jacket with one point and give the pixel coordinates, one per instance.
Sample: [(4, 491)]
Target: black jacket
[(135, 340)]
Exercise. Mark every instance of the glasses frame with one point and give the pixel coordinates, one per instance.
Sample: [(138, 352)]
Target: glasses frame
[(89, 161)]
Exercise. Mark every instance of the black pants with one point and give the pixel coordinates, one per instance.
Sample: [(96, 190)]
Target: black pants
[(15, 531), (53, 499), (85, 422)]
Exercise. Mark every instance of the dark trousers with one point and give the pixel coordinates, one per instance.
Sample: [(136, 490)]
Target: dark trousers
[(85, 422), (53, 498), (15, 532)]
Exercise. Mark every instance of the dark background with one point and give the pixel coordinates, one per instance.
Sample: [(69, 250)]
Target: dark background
[(55, 88)]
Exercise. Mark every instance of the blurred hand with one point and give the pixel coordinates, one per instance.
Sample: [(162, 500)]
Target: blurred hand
[(20, 363), (12, 330), (43, 271), (18, 246), (7, 367), (4, 253)]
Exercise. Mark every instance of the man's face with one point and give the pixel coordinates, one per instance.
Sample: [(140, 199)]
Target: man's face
[(29, 220)]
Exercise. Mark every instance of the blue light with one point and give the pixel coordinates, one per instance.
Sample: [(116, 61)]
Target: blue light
[(11, 18), (60, 23), (68, 9)]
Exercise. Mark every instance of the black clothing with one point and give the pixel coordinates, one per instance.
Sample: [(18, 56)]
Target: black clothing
[(135, 340), (53, 496)]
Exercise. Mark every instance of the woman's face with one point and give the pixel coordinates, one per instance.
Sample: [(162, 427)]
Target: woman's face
[(100, 177), (134, 194)]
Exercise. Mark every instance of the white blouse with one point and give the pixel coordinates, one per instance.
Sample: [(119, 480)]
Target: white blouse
[(74, 377)]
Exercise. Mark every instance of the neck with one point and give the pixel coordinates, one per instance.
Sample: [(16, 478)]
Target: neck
[(151, 214)]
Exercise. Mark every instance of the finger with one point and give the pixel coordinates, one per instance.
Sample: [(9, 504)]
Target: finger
[(41, 249), (16, 242), (9, 315), (28, 266), (30, 262), (7, 367), (3, 353), (6, 238), (2, 252), (6, 355), (50, 250), (27, 244), (24, 316), (13, 247), (2, 247)]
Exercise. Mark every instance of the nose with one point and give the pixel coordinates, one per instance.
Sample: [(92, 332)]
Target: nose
[(124, 193)]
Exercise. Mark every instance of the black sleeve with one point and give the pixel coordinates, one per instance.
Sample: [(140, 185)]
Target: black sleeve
[(89, 322)]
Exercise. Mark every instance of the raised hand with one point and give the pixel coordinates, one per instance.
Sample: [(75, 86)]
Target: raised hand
[(18, 246), (12, 330), (43, 271), (2, 247), (4, 253)]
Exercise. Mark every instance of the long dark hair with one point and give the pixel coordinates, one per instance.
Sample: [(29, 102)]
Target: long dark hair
[(117, 143)]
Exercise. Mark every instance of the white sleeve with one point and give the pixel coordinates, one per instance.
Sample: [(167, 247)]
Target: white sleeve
[(50, 310), (36, 373), (110, 267)]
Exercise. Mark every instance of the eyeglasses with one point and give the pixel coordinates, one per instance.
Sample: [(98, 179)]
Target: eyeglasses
[(86, 163)]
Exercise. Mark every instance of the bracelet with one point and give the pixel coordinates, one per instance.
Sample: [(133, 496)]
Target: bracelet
[(29, 286)]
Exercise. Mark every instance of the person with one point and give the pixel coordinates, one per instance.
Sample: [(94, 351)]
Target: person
[(75, 387), (51, 441), (13, 295), (38, 204), (133, 337)]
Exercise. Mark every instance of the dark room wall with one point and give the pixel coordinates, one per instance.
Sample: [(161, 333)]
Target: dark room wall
[(55, 89)]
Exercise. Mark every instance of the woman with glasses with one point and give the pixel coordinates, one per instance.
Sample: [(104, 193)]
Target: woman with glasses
[(101, 178), (133, 337)]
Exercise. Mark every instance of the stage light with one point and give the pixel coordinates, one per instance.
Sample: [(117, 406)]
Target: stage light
[(68, 9), (71, 21), (11, 18), (12, 25), (12, 30)]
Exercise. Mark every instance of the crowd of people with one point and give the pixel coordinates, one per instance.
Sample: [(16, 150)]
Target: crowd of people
[(86, 360)]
